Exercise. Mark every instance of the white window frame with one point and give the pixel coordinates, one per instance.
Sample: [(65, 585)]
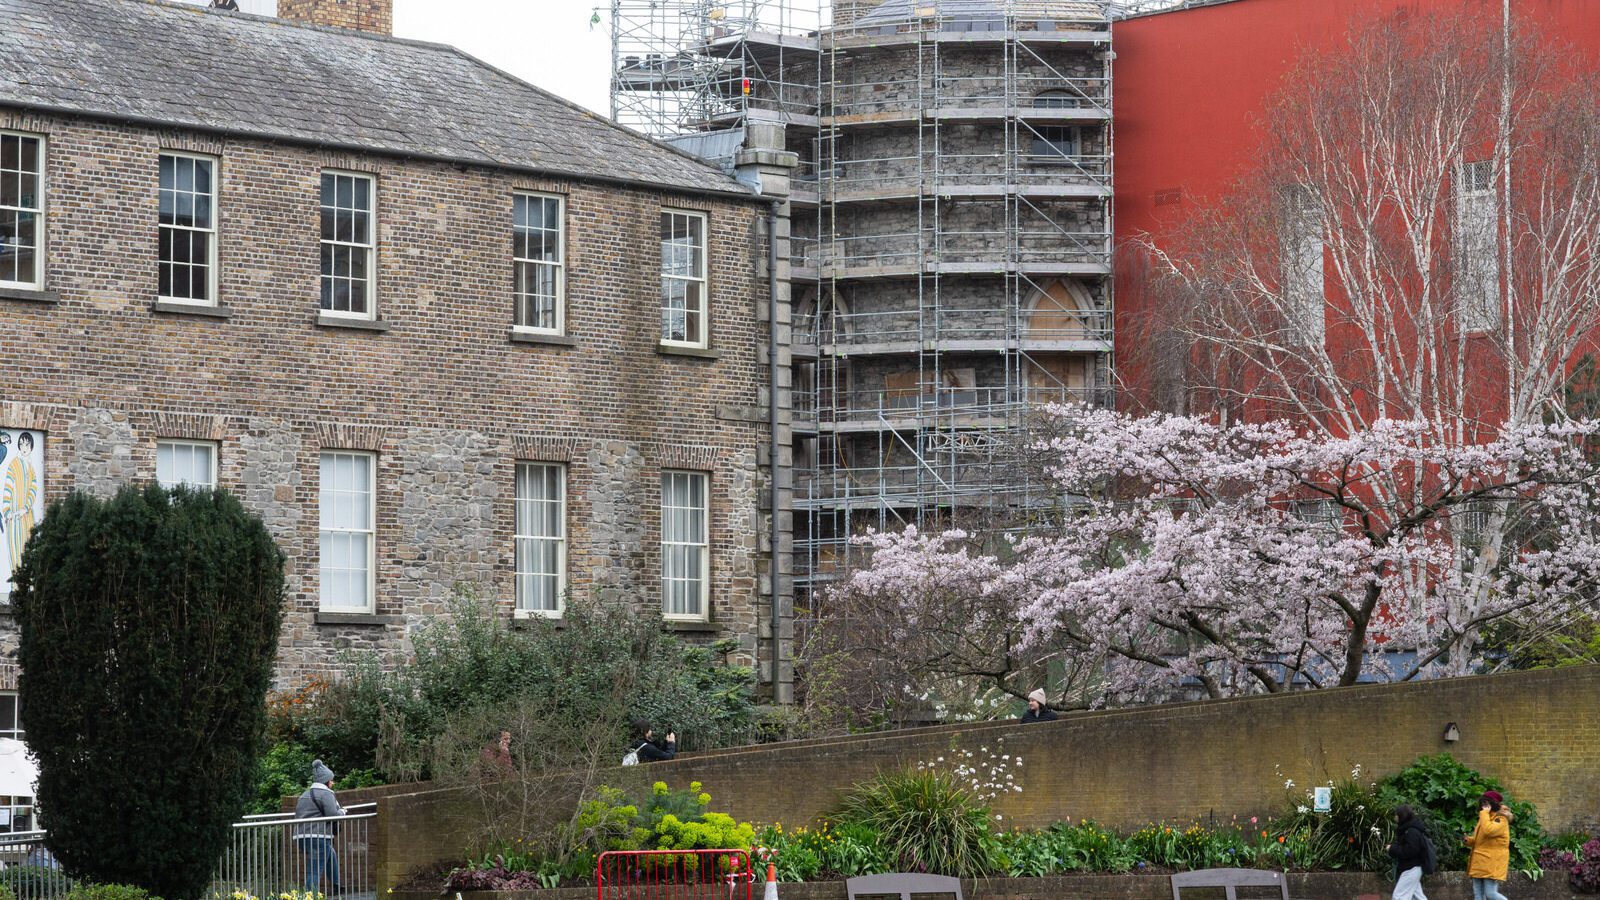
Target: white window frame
[(21, 804), (15, 732), (370, 530), (559, 265), (211, 249), (521, 533), (696, 278), (700, 543), (370, 247), (212, 451), (1304, 276), (37, 283), (1478, 269)]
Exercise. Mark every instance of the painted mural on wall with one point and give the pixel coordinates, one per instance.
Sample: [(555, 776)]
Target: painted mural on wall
[(21, 496)]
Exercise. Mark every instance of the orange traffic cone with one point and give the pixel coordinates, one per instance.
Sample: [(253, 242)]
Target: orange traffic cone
[(771, 892)]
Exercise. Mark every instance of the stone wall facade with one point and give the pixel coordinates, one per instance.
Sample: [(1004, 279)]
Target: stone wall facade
[(439, 389)]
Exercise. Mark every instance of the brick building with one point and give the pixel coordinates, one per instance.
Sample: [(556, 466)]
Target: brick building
[(434, 325)]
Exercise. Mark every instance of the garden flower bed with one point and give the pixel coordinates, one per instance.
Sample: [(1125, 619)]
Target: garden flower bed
[(935, 817), (1302, 886)]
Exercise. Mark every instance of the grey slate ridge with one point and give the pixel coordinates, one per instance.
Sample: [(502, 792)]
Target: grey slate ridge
[(181, 65)]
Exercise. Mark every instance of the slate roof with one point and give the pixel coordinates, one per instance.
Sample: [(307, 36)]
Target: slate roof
[(180, 65)]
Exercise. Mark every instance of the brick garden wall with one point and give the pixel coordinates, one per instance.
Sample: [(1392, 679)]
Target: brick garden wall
[(447, 401), (1538, 732)]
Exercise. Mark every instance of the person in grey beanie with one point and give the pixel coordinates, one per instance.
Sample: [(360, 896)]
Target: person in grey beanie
[(315, 837)]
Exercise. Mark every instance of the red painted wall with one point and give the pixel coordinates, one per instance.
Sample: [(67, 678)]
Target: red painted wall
[(1191, 87)]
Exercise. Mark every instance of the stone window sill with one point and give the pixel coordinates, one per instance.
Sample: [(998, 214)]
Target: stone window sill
[(696, 352), (537, 337), (525, 622), (29, 295), (327, 321), (347, 618), (687, 625), (193, 309)]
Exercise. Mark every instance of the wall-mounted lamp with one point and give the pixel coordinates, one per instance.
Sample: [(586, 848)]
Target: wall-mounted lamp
[(1452, 733)]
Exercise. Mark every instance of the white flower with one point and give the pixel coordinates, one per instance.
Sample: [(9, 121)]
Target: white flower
[(1375, 831), (1301, 809), (998, 817), (940, 759), (1288, 783)]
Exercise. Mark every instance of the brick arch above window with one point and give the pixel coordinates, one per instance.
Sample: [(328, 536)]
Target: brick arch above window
[(543, 449), (681, 456), (344, 436), (189, 142), (189, 426), (28, 416)]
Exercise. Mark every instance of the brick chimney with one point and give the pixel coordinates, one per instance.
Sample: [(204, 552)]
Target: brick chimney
[(376, 16)]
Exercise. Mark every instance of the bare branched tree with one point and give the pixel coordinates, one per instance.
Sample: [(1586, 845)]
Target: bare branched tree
[(1417, 243)]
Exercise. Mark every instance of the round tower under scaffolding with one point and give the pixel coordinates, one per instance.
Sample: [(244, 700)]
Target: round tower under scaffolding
[(950, 232)]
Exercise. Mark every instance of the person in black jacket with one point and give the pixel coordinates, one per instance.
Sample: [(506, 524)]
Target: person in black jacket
[(1037, 711), (1409, 850), (644, 743)]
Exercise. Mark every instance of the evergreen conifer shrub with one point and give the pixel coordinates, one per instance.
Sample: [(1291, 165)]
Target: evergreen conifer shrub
[(149, 623)]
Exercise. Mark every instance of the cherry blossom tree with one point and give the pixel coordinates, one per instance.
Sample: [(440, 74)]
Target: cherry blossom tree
[(1258, 557)]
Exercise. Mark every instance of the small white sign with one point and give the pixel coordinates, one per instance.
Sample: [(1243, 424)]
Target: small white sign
[(1322, 799)]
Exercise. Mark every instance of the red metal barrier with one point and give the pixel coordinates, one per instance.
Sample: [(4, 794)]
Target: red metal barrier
[(674, 875)]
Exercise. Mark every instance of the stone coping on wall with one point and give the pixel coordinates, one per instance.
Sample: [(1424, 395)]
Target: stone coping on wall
[(1302, 886), (1206, 707)]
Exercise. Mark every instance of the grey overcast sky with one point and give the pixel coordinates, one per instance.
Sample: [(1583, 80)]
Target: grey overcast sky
[(547, 42)]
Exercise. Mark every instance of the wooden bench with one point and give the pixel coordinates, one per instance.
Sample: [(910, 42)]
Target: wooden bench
[(1229, 880), (902, 885)]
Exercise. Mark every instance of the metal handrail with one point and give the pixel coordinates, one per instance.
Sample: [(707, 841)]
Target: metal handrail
[(258, 818), (272, 853), (857, 405), (1008, 15), (951, 324), (909, 248), (958, 168)]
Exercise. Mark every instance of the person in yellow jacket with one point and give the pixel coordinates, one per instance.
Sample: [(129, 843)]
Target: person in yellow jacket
[(1491, 847)]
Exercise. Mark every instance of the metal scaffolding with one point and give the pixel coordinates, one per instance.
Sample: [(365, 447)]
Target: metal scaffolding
[(951, 225), (693, 67)]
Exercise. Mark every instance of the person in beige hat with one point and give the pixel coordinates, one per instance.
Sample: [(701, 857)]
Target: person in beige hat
[(1037, 710)]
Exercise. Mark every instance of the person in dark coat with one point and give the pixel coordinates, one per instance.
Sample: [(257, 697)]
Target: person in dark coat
[(644, 743), (1409, 850), (1037, 711)]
